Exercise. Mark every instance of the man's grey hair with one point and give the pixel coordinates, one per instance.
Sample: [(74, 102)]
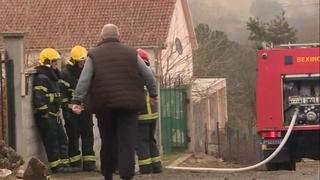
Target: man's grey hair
[(109, 31)]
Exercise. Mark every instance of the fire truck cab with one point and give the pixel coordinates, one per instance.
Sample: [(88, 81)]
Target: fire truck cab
[(288, 77)]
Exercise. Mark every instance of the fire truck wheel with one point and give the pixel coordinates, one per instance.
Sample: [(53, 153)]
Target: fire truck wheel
[(272, 166), (290, 166)]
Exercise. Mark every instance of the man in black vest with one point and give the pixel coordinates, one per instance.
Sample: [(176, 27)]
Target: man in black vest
[(115, 75)]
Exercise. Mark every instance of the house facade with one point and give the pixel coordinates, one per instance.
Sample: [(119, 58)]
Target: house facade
[(163, 28)]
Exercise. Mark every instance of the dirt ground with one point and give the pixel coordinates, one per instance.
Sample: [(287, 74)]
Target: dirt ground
[(307, 170)]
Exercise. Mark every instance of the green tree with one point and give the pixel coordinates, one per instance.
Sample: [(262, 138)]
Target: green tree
[(219, 57), (215, 50), (258, 29), (276, 30)]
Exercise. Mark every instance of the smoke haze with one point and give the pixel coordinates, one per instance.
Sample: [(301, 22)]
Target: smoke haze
[(231, 16)]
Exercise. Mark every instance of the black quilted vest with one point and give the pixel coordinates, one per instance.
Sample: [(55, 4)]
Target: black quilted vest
[(116, 83)]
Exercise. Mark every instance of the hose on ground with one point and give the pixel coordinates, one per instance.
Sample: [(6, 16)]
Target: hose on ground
[(283, 142)]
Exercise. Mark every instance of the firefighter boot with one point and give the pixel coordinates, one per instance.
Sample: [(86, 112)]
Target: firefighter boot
[(58, 170), (69, 169), (65, 169), (156, 167), (89, 166), (145, 169), (76, 164)]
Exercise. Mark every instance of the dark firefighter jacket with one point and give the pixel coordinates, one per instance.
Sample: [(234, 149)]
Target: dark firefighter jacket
[(150, 111), (68, 82), (46, 92)]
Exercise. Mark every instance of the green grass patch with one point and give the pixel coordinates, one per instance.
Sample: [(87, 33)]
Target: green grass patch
[(168, 158)]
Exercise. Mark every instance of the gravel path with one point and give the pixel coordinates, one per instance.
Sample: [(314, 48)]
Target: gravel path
[(305, 171)]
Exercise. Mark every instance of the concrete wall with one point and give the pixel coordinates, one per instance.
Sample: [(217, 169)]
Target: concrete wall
[(13, 43), (32, 140)]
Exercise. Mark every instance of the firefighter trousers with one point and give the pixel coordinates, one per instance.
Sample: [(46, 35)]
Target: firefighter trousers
[(118, 129), (54, 139), (147, 150), (80, 126)]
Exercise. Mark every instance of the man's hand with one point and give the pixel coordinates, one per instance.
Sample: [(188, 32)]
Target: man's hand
[(154, 100), (76, 108)]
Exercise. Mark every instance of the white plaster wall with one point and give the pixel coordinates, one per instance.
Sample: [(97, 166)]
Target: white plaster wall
[(172, 63)]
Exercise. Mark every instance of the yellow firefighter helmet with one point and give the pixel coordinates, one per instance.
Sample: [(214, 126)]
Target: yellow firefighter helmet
[(48, 55), (78, 53)]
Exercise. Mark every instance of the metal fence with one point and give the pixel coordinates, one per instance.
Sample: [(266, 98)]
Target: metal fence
[(213, 136), (7, 100), (237, 146), (229, 144)]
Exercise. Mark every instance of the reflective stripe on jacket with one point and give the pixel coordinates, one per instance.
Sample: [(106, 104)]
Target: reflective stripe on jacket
[(151, 110), (46, 92)]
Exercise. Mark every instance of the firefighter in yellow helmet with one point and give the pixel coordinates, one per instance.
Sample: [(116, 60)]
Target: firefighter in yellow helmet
[(148, 154), (77, 125), (46, 103)]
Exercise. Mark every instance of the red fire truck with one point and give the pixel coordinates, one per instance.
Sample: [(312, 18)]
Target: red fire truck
[(289, 77)]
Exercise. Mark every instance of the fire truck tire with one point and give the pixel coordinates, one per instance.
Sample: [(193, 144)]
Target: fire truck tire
[(290, 166), (272, 166), (287, 162)]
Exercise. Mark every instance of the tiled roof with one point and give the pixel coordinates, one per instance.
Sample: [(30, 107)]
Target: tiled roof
[(64, 23)]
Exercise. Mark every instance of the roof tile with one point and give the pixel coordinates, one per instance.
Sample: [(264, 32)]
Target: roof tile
[(62, 24)]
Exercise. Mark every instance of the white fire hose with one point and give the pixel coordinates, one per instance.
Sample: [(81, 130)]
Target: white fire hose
[(283, 142)]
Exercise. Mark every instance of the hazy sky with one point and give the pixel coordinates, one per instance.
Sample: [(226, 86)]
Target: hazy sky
[(231, 16)]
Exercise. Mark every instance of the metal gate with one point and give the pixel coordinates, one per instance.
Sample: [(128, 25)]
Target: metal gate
[(3, 99), (7, 115), (173, 118)]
